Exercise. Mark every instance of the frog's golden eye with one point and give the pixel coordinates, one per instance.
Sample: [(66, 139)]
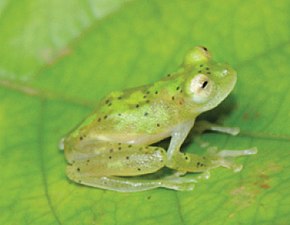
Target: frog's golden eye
[(201, 88)]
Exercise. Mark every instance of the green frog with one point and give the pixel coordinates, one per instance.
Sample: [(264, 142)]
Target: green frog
[(114, 147)]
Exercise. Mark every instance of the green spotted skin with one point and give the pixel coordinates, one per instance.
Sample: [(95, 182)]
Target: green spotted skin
[(155, 108), (117, 139), (149, 110)]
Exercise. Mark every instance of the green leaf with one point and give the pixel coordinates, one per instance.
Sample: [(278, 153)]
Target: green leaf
[(58, 58)]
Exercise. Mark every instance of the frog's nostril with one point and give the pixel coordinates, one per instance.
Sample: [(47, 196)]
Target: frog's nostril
[(225, 72)]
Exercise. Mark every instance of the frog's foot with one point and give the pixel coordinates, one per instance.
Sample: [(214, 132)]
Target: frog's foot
[(129, 184), (187, 162), (178, 182), (202, 125), (225, 158)]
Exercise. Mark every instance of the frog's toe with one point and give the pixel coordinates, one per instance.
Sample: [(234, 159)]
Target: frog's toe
[(204, 176), (179, 183), (225, 158), (237, 153), (181, 187), (227, 163)]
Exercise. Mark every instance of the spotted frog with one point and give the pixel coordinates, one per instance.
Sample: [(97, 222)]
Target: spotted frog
[(114, 147)]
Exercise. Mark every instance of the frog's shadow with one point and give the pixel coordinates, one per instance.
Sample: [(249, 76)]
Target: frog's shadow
[(218, 114)]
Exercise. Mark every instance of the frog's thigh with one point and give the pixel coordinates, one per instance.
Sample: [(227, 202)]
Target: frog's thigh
[(120, 160), (101, 170)]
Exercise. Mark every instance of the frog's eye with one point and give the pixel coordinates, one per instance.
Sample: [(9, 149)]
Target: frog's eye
[(201, 88)]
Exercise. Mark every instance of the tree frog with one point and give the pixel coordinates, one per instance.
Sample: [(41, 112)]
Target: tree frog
[(114, 147)]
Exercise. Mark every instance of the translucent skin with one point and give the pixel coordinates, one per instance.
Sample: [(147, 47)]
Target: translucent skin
[(116, 140)]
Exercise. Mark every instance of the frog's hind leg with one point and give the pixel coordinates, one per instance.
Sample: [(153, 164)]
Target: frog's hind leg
[(188, 162), (109, 167), (224, 158), (123, 184), (119, 159)]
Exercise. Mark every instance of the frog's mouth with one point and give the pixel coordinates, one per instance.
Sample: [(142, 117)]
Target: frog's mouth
[(223, 87), (227, 86)]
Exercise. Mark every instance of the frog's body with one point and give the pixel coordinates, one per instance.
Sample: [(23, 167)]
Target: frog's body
[(116, 139)]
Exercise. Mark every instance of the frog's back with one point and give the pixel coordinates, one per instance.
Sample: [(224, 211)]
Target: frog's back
[(150, 109)]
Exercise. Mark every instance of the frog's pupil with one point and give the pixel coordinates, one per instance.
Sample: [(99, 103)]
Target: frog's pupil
[(204, 84)]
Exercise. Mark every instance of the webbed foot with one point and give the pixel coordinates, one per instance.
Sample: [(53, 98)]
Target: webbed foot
[(225, 158)]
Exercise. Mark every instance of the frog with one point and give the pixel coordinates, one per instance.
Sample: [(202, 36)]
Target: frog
[(115, 147)]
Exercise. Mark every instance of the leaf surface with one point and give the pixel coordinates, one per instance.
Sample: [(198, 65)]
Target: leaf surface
[(58, 58)]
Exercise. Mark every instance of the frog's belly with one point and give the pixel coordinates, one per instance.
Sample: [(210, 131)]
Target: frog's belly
[(133, 138)]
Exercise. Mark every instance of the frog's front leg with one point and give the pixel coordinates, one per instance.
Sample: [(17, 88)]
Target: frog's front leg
[(177, 138), (186, 162), (103, 168)]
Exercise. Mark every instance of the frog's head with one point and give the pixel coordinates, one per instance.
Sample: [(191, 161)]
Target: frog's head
[(209, 83)]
